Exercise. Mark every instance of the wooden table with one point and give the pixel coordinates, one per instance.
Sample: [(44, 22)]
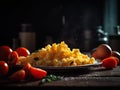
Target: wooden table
[(92, 77)]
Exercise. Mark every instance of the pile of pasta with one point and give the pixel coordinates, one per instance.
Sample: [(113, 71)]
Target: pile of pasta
[(57, 54)]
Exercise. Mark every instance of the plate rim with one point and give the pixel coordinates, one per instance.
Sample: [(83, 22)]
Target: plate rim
[(71, 67), (85, 66)]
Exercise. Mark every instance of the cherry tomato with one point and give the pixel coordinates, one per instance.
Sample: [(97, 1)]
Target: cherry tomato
[(110, 62), (4, 68), (4, 52), (37, 73), (17, 76), (13, 58), (102, 51), (22, 51), (28, 75)]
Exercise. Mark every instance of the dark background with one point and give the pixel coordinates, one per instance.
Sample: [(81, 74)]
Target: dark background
[(46, 18)]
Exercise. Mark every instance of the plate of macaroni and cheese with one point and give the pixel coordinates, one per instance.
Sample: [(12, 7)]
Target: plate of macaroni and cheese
[(58, 56)]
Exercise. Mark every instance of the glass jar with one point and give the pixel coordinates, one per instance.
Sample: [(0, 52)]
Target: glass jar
[(27, 37)]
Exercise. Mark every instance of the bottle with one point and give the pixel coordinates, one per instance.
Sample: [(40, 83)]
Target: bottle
[(102, 36), (27, 37), (114, 39), (117, 30)]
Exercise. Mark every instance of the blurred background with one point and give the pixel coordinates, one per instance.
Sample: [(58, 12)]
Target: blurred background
[(82, 24)]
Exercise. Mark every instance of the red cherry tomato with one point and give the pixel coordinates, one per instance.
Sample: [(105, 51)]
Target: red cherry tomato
[(22, 51), (37, 73), (110, 62), (28, 75), (4, 52), (13, 58), (17, 76), (27, 66), (4, 68)]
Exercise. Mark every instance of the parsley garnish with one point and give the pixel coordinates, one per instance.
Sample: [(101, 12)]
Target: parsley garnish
[(50, 78)]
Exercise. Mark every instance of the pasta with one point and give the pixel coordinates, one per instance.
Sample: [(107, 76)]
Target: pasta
[(57, 55)]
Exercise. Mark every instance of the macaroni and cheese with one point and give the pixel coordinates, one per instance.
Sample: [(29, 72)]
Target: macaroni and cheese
[(57, 55)]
